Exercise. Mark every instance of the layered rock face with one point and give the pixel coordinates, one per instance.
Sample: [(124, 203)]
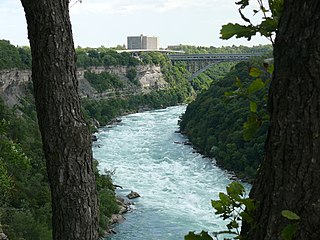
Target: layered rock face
[(14, 84)]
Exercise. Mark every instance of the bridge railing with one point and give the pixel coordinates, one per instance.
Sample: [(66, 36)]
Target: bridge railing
[(211, 57)]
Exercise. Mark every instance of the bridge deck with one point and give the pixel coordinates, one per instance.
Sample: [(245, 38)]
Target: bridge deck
[(211, 57)]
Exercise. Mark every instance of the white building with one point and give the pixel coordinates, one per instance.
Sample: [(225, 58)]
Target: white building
[(142, 42)]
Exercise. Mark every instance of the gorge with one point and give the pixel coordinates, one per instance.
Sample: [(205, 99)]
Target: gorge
[(107, 92)]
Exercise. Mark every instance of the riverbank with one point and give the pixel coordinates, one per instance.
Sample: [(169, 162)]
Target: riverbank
[(175, 183)]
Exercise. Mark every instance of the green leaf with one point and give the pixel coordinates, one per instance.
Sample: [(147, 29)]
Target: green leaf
[(246, 217), (229, 30), (217, 205), (288, 232), (276, 7), (270, 68), (234, 224), (231, 94), (202, 236), (250, 127), (290, 215), (256, 85), (267, 27), (255, 72), (249, 203), (253, 106), (235, 190), (225, 199), (238, 83)]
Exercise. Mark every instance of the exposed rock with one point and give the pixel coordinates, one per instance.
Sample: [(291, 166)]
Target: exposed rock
[(117, 186), (95, 123), (109, 232), (115, 121), (3, 236), (94, 138), (117, 218), (234, 178), (14, 83), (133, 195), (120, 200), (123, 209), (150, 77)]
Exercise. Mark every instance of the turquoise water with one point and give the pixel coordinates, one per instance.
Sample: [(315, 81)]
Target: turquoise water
[(176, 185)]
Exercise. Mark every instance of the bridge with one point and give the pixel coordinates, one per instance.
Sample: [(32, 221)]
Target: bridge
[(198, 63)]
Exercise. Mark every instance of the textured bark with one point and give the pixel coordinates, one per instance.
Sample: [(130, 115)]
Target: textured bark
[(65, 134), (289, 176)]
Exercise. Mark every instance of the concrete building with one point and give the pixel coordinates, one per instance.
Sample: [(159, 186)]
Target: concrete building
[(142, 42)]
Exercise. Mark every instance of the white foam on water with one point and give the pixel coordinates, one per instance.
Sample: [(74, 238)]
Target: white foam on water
[(176, 185)]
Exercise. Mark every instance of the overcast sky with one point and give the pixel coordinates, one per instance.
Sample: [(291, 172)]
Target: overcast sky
[(109, 22)]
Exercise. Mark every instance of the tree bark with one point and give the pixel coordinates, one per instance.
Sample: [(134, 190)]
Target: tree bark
[(289, 176), (65, 135)]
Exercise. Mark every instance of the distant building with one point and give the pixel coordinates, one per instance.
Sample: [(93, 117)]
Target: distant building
[(142, 42)]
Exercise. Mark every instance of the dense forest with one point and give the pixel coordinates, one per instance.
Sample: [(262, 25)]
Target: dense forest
[(24, 190), (215, 121), (285, 193)]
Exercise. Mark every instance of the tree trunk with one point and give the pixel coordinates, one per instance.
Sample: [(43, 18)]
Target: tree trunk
[(289, 177), (65, 135)]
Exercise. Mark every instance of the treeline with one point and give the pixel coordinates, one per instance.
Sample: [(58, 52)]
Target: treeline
[(88, 57), (214, 123), (20, 57), (14, 57), (25, 200)]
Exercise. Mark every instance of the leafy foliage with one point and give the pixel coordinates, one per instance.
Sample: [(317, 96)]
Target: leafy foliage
[(107, 198), (89, 57), (103, 81), (202, 236), (25, 211), (27, 199), (290, 215), (214, 121), (131, 75), (267, 26), (251, 93), (289, 230), (14, 57), (232, 206)]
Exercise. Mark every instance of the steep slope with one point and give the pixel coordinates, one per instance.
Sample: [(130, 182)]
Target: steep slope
[(214, 125)]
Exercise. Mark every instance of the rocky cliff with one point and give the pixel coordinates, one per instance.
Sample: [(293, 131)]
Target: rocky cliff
[(14, 83)]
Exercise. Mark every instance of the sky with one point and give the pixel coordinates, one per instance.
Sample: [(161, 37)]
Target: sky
[(107, 23)]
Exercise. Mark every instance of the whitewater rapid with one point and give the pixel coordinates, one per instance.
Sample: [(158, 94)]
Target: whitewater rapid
[(175, 183)]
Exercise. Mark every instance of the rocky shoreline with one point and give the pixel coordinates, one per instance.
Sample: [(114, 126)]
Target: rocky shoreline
[(124, 207)]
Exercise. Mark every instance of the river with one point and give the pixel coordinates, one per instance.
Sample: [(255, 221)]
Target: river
[(175, 183)]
